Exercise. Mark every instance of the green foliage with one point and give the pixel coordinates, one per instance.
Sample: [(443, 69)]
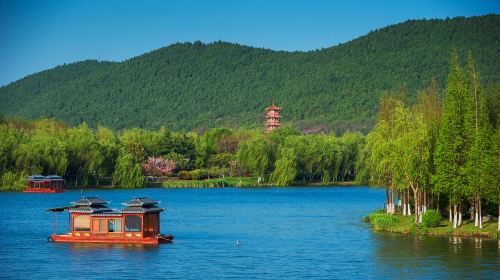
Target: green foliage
[(285, 167), (185, 85), (431, 218), (221, 160), (10, 181), (255, 155), (128, 173), (198, 174), (184, 175), (382, 221)]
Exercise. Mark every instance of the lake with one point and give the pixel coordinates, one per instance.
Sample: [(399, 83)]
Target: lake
[(299, 232)]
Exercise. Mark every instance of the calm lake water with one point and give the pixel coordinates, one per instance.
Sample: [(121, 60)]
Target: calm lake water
[(282, 232)]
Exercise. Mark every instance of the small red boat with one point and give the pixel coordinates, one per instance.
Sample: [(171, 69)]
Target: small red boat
[(91, 221), (47, 184)]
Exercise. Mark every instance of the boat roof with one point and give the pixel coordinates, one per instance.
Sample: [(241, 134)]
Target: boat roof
[(141, 201), (96, 206), (89, 201), (44, 178), (59, 209), (90, 209), (142, 210)]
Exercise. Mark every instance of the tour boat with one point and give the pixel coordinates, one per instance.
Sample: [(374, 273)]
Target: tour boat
[(91, 221), (47, 184)]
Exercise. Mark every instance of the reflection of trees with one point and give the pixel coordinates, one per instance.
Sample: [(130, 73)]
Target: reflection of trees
[(406, 256)]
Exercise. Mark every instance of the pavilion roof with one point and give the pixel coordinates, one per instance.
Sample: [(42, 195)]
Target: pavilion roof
[(142, 210), (141, 201), (89, 201), (90, 209)]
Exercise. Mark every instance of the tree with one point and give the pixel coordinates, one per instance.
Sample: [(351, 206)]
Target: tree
[(127, 172), (480, 167), (254, 155), (159, 166), (285, 167), (451, 146)]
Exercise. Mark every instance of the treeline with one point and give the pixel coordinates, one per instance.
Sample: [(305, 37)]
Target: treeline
[(189, 86), (434, 155), (85, 156)]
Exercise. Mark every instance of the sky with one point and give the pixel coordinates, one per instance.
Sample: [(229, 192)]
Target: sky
[(36, 35)]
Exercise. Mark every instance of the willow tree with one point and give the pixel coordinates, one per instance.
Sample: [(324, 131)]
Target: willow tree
[(85, 157), (285, 167), (128, 172), (254, 155)]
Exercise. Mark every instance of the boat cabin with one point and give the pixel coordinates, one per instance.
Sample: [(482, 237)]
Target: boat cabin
[(44, 184), (92, 221)]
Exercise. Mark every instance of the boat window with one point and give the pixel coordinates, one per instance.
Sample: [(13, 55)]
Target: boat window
[(115, 225), (82, 223), (99, 225), (132, 223)]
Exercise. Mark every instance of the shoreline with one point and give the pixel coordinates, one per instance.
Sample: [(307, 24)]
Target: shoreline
[(382, 222), (236, 182)]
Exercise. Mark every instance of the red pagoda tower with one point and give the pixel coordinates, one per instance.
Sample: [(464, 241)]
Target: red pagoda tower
[(273, 117)]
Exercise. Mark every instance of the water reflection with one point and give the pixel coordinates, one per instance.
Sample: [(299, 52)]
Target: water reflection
[(438, 257), (78, 247)]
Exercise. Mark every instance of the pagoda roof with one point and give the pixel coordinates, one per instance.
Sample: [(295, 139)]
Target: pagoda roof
[(142, 210), (53, 177), (141, 201), (273, 107), (142, 205), (90, 209), (90, 201), (43, 178), (36, 178)]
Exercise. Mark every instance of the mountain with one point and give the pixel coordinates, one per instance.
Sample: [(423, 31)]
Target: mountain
[(194, 85)]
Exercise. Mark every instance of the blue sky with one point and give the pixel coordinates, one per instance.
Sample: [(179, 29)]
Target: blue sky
[(38, 35)]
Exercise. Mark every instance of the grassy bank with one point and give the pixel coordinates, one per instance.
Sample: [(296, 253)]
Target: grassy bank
[(213, 183), (381, 221)]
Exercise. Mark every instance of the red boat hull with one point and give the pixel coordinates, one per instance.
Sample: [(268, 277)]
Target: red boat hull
[(68, 238), (42, 190)]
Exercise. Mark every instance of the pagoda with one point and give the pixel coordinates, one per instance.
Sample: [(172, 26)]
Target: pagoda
[(272, 117)]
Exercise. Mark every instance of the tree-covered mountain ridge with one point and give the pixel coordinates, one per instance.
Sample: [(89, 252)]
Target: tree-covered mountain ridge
[(188, 86)]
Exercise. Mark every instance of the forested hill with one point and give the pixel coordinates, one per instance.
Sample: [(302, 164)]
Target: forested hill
[(196, 85)]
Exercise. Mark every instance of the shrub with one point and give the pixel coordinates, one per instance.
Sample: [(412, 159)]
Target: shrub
[(382, 221), (198, 174), (184, 175), (431, 218)]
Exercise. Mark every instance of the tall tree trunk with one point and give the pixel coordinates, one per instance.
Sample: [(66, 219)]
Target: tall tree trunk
[(408, 204), (480, 215), (451, 214), (455, 216), (476, 214), (425, 202), (417, 200), (387, 200), (404, 204), (459, 215)]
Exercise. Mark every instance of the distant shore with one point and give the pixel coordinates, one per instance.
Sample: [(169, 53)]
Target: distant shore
[(219, 183), (405, 225)]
